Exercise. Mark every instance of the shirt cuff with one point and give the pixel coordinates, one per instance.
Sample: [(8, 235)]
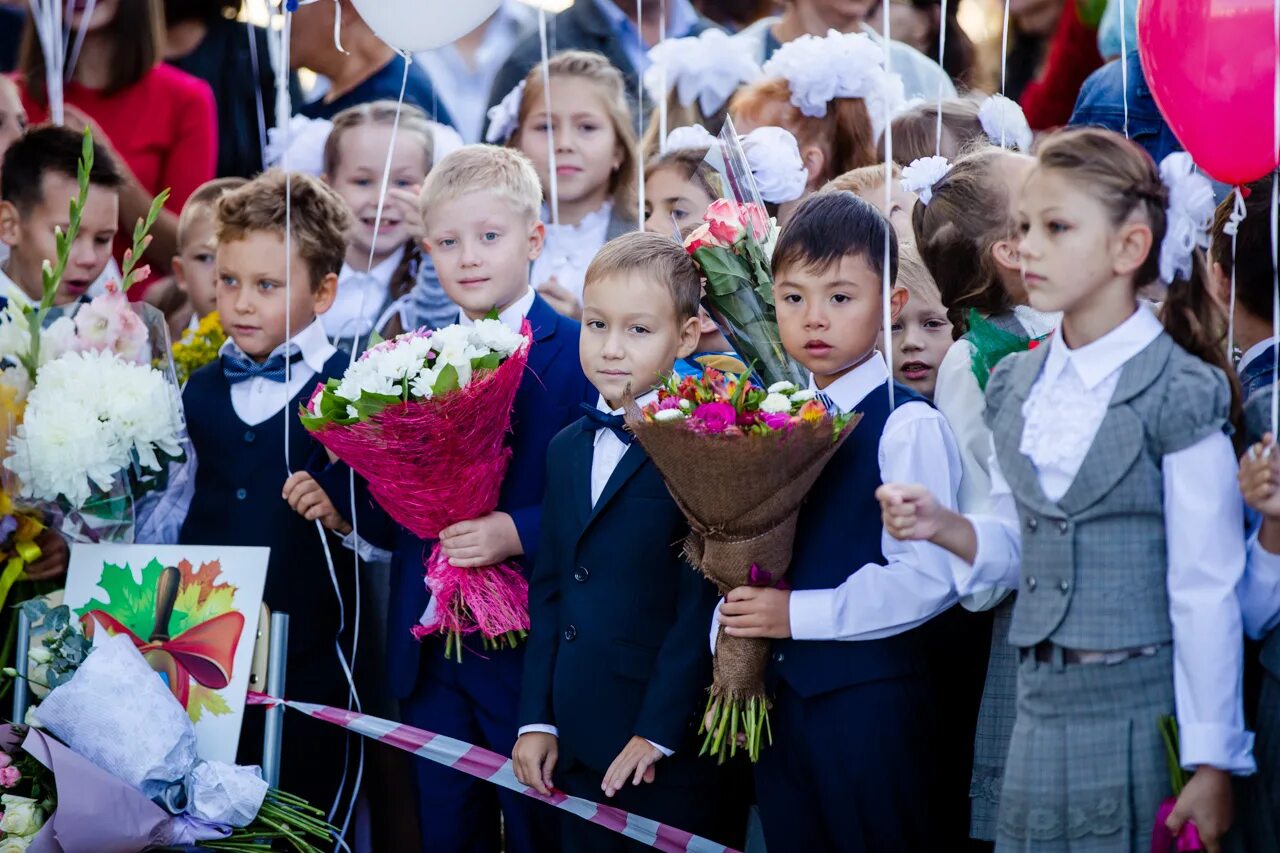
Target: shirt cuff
[(813, 614), (990, 562), (987, 599), (1228, 749), (368, 552), (543, 728), (667, 753), (715, 624)]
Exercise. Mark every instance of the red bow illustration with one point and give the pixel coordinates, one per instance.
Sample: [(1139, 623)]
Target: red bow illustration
[(204, 652)]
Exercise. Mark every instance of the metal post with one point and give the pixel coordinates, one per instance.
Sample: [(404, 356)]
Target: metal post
[(21, 690), (277, 652)]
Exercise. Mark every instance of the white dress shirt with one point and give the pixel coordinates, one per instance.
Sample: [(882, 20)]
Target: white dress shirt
[(464, 85), (1259, 591), (512, 317), (360, 298), (607, 453), (569, 249), (10, 291), (1203, 526)]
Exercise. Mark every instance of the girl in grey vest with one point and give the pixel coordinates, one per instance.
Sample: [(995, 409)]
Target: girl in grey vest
[(1114, 513)]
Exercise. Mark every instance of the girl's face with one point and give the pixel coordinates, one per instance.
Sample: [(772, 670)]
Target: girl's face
[(357, 177), (672, 204), (104, 12), (921, 337), (1073, 257), (588, 151)]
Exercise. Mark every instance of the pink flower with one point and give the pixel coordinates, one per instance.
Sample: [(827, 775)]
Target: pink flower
[(10, 776), (5, 759), (755, 220), (110, 323), (725, 222), (776, 421), (716, 417), (672, 402), (699, 239)]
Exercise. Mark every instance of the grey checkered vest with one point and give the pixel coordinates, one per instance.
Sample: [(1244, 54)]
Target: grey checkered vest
[(1094, 562)]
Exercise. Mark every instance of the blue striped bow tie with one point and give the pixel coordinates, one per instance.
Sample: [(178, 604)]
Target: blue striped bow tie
[(238, 367), (598, 420), (827, 402)]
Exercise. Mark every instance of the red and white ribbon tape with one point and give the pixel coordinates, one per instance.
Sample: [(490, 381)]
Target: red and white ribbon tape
[(497, 769)]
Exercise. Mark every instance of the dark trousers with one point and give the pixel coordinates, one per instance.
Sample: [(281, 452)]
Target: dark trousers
[(474, 701), (850, 771)]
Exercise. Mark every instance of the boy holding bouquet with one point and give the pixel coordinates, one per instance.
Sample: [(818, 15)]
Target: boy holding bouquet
[(617, 664), (850, 767)]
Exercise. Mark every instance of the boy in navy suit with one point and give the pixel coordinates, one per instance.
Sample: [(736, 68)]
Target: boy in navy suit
[(239, 411), (852, 765), (480, 212), (617, 667)]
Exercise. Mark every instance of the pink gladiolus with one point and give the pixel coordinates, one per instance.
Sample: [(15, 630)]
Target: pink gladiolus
[(10, 776), (716, 417)]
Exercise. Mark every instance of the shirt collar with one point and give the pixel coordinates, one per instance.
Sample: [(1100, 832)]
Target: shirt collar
[(311, 342), (1255, 351), (1096, 361), (682, 19), (641, 401), (10, 290), (381, 271), (852, 388), (512, 317)]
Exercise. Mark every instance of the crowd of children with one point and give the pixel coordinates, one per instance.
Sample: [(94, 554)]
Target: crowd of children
[(1035, 544)]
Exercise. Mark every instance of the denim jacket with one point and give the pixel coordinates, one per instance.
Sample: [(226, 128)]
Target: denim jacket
[(1101, 104)]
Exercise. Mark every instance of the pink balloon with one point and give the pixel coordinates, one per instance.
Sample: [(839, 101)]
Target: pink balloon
[(1211, 65)]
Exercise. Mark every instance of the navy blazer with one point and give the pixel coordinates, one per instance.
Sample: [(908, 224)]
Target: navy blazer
[(618, 646), (550, 392)]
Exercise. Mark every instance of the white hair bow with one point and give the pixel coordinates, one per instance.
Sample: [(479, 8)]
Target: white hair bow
[(773, 155), (302, 145), (923, 175), (1188, 216), (707, 68), (504, 117), (1004, 123)]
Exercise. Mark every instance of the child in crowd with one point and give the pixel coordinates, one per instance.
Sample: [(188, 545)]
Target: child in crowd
[(37, 186), (854, 726), (240, 410), (13, 118), (867, 183), (381, 267), (192, 293), (586, 155), (1114, 512), (915, 130), (922, 334), (617, 664), (679, 186)]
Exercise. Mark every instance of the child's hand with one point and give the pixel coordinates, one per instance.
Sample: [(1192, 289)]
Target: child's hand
[(406, 201), (635, 762), (1207, 801), (909, 512), (484, 541), (308, 499), (53, 559), (1259, 476), (560, 299), (755, 611), (533, 759)]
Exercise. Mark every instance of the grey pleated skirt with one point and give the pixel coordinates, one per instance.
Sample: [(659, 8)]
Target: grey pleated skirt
[(1086, 771)]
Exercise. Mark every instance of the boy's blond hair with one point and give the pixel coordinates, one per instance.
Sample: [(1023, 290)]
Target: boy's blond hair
[(861, 181), (505, 172), (914, 275), (656, 257), (201, 204), (319, 219)]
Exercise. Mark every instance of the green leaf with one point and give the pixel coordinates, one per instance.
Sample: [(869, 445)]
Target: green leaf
[(447, 381), (488, 362), (493, 313), (374, 339), (134, 604)]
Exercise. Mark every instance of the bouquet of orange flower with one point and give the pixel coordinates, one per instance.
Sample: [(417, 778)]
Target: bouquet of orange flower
[(702, 434)]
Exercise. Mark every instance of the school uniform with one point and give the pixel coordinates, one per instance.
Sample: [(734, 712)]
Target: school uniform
[(569, 249), (476, 700), (228, 493), (363, 296), (1115, 514), (617, 647), (851, 767)]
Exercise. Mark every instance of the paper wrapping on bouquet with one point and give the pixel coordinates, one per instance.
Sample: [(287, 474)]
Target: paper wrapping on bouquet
[(741, 530), (434, 463)]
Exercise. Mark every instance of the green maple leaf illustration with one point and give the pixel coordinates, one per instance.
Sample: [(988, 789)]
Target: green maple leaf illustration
[(134, 604)]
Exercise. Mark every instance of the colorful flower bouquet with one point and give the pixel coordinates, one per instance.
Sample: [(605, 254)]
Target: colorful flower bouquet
[(198, 347), (702, 434), (422, 418)]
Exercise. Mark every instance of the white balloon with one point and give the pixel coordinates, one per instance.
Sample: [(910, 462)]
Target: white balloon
[(414, 25)]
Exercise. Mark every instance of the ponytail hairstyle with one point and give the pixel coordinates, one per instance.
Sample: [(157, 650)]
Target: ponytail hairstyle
[(915, 131), (844, 135), (1124, 178), (970, 211), (612, 88)]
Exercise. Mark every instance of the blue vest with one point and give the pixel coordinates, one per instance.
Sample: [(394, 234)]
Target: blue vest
[(838, 533), (240, 472)]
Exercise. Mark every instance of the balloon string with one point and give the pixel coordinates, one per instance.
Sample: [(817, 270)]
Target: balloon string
[(888, 203), (1238, 213), (1275, 231), (79, 43), (640, 114), (257, 90), (552, 182), (666, 95), (337, 27), (942, 49), (1004, 47), (1124, 66)]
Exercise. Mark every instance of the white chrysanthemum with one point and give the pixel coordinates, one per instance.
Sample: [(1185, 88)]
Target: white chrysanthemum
[(803, 396), (58, 339), (422, 384), (664, 415), (783, 387), (15, 333), (497, 337), (776, 404)]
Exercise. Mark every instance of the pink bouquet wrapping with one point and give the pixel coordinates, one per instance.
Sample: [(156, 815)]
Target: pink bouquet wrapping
[(422, 418)]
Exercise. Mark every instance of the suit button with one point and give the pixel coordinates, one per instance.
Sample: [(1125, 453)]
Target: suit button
[(249, 436), (1062, 527), (241, 494), (779, 657), (581, 574), (570, 634), (1031, 584), (1064, 586), (1032, 524)]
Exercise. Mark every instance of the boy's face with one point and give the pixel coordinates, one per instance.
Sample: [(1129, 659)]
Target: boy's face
[(921, 337), (195, 266), (252, 302), (828, 318), (631, 335), (482, 247), (30, 236)]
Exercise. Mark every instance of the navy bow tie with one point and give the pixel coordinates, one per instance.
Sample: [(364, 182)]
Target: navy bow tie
[(827, 402), (238, 367), (598, 420)]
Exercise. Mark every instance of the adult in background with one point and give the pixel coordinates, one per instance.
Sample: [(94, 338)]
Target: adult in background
[(159, 122), (608, 27), (204, 39), (11, 15), (369, 69), (918, 22), (733, 15), (921, 76)]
